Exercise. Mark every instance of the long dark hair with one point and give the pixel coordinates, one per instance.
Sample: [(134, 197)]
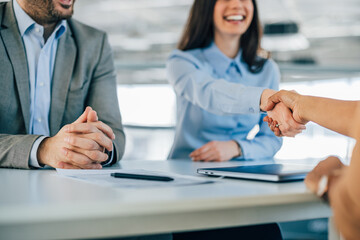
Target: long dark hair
[(199, 33)]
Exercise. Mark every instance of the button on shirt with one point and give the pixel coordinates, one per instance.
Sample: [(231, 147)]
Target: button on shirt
[(218, 99), (40, 58)]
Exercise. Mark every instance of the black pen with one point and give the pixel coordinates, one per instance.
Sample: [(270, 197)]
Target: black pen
[(142, 177)]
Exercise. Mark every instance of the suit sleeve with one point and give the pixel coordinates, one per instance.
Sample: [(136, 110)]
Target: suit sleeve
[(15, 150), (102, 97)]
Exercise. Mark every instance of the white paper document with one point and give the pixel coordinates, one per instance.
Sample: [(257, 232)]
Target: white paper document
[(102, 177)]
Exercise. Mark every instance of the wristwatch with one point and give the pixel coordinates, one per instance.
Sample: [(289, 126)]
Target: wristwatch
[(323, 187)]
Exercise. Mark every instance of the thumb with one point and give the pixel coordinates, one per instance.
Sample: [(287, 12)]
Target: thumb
[(92, 116), (270, 104), (84, 116)]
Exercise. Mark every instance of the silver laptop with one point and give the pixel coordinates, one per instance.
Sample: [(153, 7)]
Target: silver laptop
[(264, 172)]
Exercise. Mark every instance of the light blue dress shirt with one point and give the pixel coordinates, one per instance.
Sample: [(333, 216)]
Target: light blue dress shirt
[(40, 59), (218, 99)]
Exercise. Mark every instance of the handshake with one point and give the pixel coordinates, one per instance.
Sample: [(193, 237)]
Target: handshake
[(284, 115)]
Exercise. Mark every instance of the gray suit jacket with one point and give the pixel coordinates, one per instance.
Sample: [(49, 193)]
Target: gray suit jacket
[(84, 75)]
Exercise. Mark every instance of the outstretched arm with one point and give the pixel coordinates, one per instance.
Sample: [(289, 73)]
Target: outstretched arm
[(342, 117), (337, 115)]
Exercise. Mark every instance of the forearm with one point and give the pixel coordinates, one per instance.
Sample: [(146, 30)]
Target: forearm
[(193, 83), (333, 114)]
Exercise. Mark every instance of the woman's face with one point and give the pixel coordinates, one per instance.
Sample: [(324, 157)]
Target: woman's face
[(233, 17)]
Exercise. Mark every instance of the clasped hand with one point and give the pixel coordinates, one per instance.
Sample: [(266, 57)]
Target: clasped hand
[(283, 117), (79, 145)]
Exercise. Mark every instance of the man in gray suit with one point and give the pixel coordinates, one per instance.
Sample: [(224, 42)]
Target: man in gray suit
[(51, 68)]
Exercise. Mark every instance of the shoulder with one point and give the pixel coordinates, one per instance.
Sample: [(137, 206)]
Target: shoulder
[(270, 64), (86, 34), (271, 67), (193, 56)]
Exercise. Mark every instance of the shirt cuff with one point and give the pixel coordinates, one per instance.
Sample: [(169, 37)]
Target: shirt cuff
[(110, 159), (33, 161), (243, 144)]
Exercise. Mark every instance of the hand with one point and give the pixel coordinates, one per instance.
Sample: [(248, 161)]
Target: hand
[(216, 151), (282, 116), (331, 167), (291, 100), (92, 137), (78, 150), (54, 152)]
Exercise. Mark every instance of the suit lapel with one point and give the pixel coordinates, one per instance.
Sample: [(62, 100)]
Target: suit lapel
[(16, 52), (63, 70)]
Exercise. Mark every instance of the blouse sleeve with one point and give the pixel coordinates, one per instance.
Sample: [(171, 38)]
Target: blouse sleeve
[(265, 144), (192, 81)]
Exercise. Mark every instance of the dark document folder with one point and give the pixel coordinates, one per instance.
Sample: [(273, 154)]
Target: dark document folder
[(267, 172)]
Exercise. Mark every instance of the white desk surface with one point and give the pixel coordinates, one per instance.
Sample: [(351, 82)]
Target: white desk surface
[(39, 204)]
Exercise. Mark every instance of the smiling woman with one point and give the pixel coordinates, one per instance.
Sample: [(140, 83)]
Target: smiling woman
[(221, 77)]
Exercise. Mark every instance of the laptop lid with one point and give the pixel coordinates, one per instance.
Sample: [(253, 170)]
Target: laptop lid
[(264, 172)]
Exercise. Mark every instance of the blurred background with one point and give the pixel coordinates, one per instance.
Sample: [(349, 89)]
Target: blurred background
[(315, 42)]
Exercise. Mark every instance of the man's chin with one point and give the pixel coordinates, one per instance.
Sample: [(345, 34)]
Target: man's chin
[(62, 13)]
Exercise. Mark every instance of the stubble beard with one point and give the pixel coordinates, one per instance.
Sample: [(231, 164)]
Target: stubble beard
[(44, 12)]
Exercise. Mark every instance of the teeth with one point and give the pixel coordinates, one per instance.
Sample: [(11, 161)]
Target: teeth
[(235, 17)]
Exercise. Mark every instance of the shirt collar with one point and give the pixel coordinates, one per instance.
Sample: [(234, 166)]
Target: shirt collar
[(25, 22), (220, 61)]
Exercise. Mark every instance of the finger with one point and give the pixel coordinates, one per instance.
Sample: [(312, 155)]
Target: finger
[(295, 125), (78, 159), (266, 119), (92, 116), (199, 151), (270, 105), (83, 128), (82, 142), (205, 156), (275, 99), (91, 127), (212, 158), (288, 130), (272, 101), (272, 127), (277, 132), (95, 155), (310, 182), (105, 129), (65, 165), (101, 139), (83, 116)]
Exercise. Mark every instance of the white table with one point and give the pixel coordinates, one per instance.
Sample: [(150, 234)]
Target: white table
[(39, 204)]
